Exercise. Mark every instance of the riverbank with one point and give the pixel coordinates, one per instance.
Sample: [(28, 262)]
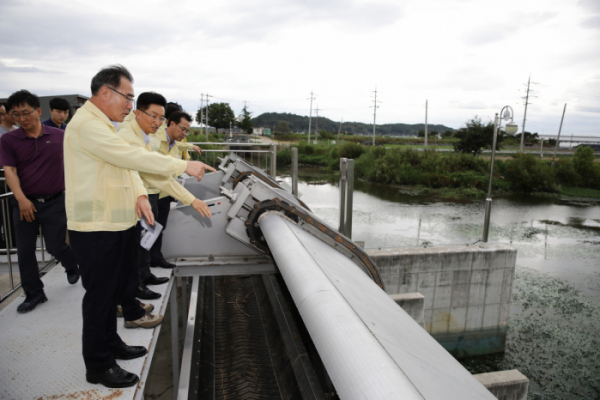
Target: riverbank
[(457, 175)]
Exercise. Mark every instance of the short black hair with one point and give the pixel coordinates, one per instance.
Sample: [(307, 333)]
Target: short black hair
[(5, 105), (23, 97), (58, 103), (145, 99), (171, 108), (111, 77), (176, 117)]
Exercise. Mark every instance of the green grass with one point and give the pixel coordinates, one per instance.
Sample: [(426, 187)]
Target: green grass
[(580, 192)]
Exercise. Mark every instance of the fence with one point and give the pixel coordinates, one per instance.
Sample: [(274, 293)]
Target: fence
[(270, 158)]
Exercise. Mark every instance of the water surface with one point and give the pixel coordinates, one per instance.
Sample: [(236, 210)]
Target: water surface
[(555, 313)]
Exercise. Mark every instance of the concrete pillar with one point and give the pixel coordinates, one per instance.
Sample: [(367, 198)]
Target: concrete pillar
[(413, 304), (505, 385)]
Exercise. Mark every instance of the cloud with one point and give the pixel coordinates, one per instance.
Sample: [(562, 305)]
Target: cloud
[(498, 31), (592, 22), (29, 70)]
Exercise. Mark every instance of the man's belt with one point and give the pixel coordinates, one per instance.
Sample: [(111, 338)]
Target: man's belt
[(46, 198)]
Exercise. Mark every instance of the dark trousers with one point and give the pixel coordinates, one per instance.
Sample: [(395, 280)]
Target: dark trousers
[(144, 257), (51, 216), (132, 309), (106, 261), (164, 206)]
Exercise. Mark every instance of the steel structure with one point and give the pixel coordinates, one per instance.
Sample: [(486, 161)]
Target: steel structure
[(304, 314)]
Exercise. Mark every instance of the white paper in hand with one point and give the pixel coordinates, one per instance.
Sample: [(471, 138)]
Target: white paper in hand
[(149, 233)]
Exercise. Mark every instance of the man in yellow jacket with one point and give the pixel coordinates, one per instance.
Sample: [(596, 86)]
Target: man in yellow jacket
[(104, 197), (135, 130), (169, 141)]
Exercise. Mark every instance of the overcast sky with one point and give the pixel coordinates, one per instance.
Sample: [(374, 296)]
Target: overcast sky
[(466, 57)]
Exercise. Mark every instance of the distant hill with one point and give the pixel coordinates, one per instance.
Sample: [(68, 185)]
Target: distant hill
[(299, 123)]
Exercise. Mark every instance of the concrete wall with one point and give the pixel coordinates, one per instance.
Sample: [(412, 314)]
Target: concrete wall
[(467, 291)]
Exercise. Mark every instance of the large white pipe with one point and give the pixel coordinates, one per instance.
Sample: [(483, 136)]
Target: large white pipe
[(370, 347), (357, 364)]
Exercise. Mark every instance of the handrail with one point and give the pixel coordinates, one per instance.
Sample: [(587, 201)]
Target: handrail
[(272, 151)]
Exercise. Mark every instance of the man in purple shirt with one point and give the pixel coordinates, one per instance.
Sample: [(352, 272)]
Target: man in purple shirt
[(32, 157), (59, 113)]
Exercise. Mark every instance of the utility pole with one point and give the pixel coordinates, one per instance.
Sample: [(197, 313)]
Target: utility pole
[(558, 137), (317, 123), (526, 97), (375, 107), (426, 124), (339, 130), (203, 114), (310, 115), (201, 111)]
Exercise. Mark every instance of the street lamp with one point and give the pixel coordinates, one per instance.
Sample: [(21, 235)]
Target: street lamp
[(510, 129)]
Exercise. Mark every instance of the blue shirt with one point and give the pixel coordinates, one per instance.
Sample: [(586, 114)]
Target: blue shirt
[(171, 143), (51, 123)]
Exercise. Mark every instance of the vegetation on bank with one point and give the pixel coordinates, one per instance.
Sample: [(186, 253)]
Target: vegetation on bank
[(457, 173)]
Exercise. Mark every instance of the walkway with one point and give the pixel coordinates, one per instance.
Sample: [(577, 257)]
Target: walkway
[(40, 352)]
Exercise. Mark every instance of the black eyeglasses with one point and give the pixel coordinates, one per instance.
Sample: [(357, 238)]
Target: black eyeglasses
[(154, 117), (22, 115), (184, 130), (129, 99)]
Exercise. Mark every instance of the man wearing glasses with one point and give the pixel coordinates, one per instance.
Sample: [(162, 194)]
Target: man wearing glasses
[(147, 119), (168, 142), (105, 196), (32, 157), (7, 123)]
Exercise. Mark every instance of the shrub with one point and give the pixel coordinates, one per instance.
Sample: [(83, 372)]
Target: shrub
[(284, 157), (565, 173), (304, 148), (528, 174), (583, 163), (350, 150)]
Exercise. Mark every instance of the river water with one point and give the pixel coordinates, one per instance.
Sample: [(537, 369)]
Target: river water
[(554, 334)]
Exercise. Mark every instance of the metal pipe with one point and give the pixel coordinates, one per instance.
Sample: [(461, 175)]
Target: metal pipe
[(42, 245), (274, 161), (183, 299), (426, 123), (343, 177), (7, 240), (189, 326), (349, 197), (295, 171), (357, 363), (558, 137), (488, 200), (175, 337)]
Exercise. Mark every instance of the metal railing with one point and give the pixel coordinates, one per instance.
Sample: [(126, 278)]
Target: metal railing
[(9, 249), (270, 158)]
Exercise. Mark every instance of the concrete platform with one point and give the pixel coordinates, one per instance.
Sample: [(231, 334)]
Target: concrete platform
[(40, 352)]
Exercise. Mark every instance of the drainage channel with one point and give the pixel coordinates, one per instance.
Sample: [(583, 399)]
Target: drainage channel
[(250, 343)]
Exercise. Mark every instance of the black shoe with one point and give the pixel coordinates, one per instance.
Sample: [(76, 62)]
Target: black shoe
[(163, 264), (116, 377), (154, 280), (31, 301), (129, 352), (73, 276), (142, 292)]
